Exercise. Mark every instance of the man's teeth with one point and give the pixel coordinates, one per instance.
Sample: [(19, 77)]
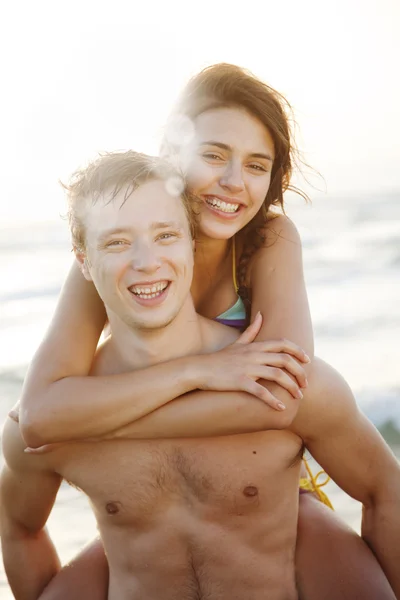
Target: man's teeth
[(221, 205), (149, 292)]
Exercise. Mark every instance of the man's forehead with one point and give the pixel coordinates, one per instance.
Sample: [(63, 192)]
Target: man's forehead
[(150, 205)]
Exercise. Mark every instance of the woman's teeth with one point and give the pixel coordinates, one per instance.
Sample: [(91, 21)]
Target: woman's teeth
[(223, 206), (149, 292)]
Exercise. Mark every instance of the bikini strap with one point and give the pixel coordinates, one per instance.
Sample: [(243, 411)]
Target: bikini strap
[(234, 265)]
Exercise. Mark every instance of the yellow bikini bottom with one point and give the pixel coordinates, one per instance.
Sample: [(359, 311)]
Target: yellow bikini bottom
[(310, 484)]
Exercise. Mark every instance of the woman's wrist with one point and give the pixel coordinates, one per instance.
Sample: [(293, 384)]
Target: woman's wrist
[(194, 372)]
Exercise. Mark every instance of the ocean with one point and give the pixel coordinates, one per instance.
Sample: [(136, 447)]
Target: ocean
[(351, 251)]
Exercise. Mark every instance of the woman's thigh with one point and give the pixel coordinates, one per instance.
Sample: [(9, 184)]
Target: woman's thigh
[(84, 578), (332, 561)]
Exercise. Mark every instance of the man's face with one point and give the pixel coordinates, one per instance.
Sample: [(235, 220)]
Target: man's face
[(139, 255)]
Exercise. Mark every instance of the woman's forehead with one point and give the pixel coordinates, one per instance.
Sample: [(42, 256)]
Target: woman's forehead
[(233, 126)]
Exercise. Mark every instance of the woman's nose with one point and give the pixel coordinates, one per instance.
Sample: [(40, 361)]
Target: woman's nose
[(232, 178)]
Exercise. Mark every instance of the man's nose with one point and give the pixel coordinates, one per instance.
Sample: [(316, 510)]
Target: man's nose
[(145, 259), (232, 178)]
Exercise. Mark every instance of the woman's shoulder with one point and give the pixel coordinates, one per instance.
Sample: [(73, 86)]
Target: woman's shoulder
[(279, 228), (280, 249)]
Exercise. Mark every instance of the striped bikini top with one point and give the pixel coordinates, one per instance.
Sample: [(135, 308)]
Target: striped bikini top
[(235, 316)]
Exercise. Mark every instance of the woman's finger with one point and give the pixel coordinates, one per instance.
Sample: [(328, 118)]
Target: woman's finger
[(281, 378), (260, 392), (284, 361), (282, 346), (251, 332)]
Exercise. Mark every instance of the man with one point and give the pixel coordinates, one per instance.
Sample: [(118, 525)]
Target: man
[(185, 518)]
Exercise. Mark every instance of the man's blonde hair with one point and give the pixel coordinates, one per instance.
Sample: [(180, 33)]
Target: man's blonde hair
[(110, 173)]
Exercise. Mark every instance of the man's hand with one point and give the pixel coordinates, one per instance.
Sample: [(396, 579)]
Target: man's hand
[(238, 367), (28, 490), (14, 413)]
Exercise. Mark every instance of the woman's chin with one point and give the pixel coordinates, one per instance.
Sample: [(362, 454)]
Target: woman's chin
[(215, 230)]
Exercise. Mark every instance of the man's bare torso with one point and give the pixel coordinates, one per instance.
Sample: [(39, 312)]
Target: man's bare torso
[(188, 519), (191, 519)]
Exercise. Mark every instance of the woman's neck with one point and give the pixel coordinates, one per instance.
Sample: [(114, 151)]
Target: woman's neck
[(211, 254), (212, 288)]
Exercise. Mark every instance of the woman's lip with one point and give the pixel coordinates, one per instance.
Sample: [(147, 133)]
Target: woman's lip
[(224, 199), (152, 301), (221, 213)]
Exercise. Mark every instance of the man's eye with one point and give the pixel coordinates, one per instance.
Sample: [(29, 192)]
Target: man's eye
[(166, 236), (114, 243)]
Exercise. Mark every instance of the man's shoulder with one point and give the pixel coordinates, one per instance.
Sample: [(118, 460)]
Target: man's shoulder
[(216, 335), (13, 446)]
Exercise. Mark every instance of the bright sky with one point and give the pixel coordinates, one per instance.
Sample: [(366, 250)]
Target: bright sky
[(86, 75)]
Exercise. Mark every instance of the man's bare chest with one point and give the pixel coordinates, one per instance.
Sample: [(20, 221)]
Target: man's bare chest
[(134, 481)]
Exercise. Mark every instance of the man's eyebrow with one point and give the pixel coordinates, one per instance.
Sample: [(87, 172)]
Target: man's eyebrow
[(166, 225), (227, 147), (109, 232), (156, 225)]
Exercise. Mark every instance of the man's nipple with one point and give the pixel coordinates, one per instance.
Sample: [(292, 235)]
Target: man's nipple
[(112, 508), (250, 491)]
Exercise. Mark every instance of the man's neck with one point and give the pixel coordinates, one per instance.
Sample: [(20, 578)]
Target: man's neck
[(141, 348)]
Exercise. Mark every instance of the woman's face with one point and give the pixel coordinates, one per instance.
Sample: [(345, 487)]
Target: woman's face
[(228, 167)]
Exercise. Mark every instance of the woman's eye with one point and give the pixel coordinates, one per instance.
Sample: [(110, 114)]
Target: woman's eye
[(212, 156), (258, 167)]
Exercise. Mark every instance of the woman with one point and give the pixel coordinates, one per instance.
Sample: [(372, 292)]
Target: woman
[(231, 136)]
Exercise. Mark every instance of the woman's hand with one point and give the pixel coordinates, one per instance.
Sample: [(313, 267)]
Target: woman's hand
[(239, 366)]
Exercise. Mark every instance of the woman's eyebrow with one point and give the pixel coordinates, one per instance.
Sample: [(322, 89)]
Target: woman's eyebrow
[(261, 155), (228, 148)]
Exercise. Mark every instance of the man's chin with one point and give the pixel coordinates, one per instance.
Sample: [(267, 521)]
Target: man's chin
[(154, 323)]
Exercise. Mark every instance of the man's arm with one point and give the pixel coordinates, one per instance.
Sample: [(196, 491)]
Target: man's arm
[(27, 494), (354, 454)]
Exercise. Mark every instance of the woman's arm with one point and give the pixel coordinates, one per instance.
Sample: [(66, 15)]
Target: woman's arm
[(61, 402), (276, 279), (278, 291), (201, 414), (208, 414)]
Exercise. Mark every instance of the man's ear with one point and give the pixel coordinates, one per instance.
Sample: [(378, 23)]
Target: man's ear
[(83, 263)]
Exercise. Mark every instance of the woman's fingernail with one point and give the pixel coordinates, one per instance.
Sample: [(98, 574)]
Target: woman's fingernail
[(305, 384), (281, 406), (307, 358), (299, 394)]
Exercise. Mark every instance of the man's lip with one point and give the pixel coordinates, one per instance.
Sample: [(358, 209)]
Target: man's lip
[(151, 302), (148, 283), (224, 199)]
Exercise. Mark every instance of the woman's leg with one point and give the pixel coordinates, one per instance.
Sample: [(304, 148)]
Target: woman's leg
[(84, 578), (332, 561)]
